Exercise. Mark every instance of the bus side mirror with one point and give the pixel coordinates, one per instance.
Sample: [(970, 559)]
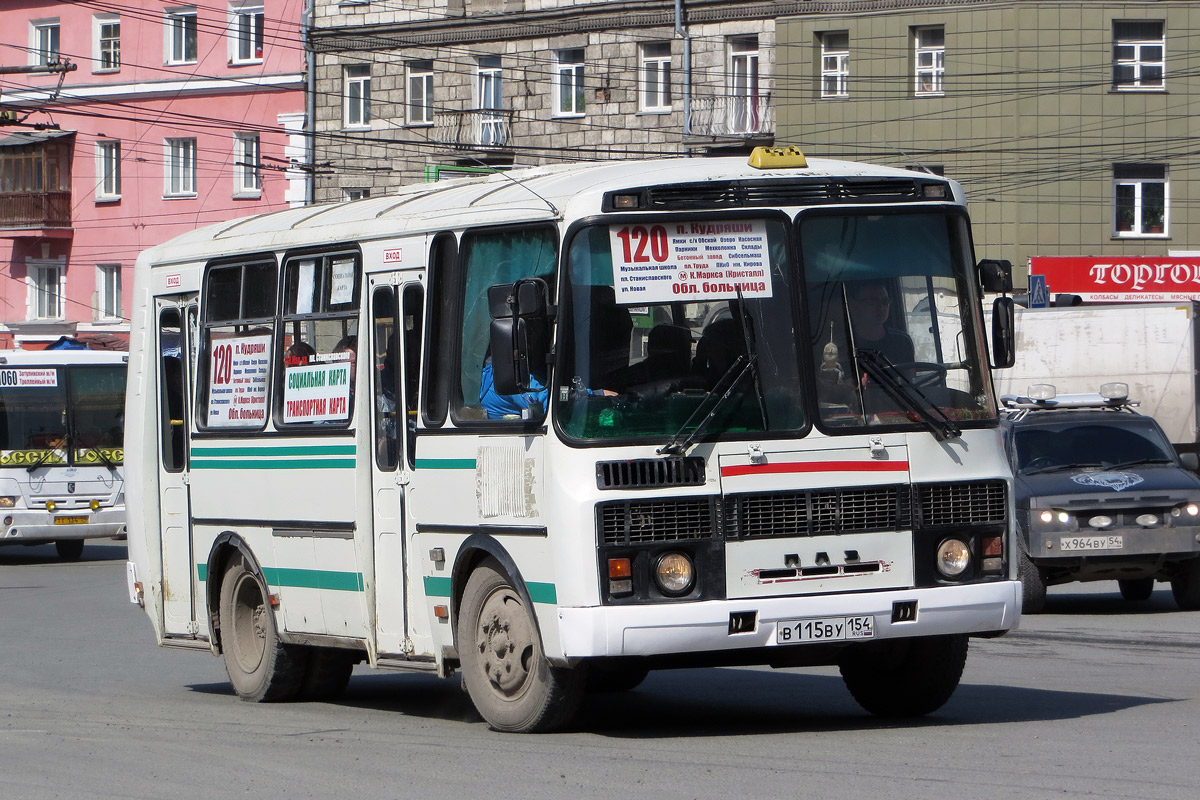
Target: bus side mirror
[(1004, 338), (995, 275), (520, 333)]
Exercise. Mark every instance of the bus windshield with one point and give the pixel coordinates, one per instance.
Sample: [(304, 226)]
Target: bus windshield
[(678, 324), (51, 414)]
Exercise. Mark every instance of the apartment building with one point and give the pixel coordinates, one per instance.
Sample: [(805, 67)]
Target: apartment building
[(125, 124), (1071, 123), (407, 93)]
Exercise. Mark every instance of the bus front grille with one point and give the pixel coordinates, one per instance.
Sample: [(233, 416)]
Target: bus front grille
[(659, 520), (979, 503), (650, 473), (812, 513)]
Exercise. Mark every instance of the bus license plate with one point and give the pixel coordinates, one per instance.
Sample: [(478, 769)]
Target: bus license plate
[(1068, 543), (70, 520), (824, 629)]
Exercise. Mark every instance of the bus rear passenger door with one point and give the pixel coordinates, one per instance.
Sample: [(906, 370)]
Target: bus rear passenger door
[(177, 326), (396, 323)]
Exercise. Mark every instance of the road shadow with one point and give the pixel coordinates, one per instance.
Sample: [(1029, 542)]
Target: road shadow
[(724, 702), (93, 551), (1109, 603)]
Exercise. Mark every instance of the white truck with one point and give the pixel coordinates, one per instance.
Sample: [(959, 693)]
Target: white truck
[(1153, 347)]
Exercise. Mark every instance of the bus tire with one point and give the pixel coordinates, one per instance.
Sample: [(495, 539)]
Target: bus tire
[(1185, 586), (1136, 590), (69, 549), (260, 667), (905, 677), (505, 671), (326, 673)]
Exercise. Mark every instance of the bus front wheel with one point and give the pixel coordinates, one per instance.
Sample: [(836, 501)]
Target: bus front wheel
[(905, 677), (260, 667), (505, 671)]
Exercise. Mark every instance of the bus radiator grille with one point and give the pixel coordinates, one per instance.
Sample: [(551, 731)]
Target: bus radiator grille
[(659, 520)]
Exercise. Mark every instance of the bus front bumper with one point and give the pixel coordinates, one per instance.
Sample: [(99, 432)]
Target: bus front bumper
[(31, 526), (665, 628)]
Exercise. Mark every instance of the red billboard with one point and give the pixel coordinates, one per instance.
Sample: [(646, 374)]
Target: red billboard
[(1121, 279)]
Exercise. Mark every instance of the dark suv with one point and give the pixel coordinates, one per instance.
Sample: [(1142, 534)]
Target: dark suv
[(1101, 495)]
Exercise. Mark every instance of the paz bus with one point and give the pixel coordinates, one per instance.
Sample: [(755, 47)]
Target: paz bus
[(558, 427), (62, 416)]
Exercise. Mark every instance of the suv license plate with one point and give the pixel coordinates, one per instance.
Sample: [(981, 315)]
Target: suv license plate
[(70, 520), (1068, 543), (824, 629)]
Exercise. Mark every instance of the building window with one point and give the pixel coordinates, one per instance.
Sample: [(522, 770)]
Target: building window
[(181, 168), (181, 35), (1140, 200), (568, 83), (356, 93), (835, 64), (108, 43), (420, 92), (745, 110), (246, 29), (108, 170), (108, 291), (356, 194), (44, 42), (930, 57), (246, 181), (656, 77), (1138, 54), (46, 292), (490, 87)]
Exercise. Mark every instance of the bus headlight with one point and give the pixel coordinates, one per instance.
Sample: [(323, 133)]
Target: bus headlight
[(674, 574), (953, 558)]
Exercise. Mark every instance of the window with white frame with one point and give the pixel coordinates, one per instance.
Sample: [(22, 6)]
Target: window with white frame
[(568, 83), (745, 110), (108, 170), (419, 100), (1140, 200), (835, 64), (108, 291), (247, 181), (46, 291), (656, 76), (930, 60), (246, 33), (107, 28), (180, 168), (43, 43), (490, 94), (181, 35), (1138, 54), (356, 96)]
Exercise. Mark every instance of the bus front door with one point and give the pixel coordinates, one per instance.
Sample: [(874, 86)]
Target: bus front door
[(177, 331), (396, 323)]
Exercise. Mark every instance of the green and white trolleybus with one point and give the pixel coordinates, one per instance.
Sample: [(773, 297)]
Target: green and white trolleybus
[(558, 427)]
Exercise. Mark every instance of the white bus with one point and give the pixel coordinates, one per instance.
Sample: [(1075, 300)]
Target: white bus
[(559, 427), (62, 415)]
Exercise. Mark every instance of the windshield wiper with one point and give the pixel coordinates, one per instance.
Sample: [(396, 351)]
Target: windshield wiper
[(898, 387), (674, 447), (752, 349), (1139, 461), (1060, 468), (108, 462), (46, 455)]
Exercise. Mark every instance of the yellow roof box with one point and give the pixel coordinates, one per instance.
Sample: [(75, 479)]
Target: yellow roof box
[(777, 158)]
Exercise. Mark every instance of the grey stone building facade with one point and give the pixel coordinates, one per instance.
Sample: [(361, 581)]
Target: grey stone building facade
[(405, 94), (1071, 123)]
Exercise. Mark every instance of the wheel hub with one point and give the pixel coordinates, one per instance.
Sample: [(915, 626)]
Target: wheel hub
[(505, 643)]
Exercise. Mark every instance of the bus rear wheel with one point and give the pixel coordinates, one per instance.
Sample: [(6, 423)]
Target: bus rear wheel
[(505, 671), (905, 677), (69, 549), (260, 667)]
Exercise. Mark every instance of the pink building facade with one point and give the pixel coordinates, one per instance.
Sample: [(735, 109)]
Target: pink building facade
[(125, 124)]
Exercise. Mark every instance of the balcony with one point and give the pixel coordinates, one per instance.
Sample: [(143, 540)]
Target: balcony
[(477, 129), (35, 183), (35, 211), (732, 116)]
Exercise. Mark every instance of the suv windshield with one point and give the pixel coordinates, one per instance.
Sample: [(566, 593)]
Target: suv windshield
[(1124, 440), (692, 326), (892, 291)]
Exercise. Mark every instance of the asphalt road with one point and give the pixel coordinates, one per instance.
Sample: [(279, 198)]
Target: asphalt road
[(1095, 698)]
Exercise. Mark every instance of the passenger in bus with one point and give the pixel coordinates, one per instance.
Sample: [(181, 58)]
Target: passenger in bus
[(870, 307), (499, 406), (721, 344), (668, 358), (298, 354), (349, 345)]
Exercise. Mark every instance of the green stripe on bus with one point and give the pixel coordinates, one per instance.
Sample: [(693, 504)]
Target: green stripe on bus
[(538, 592), (445, 463), (305, 463), (305, 578), (313, 450)]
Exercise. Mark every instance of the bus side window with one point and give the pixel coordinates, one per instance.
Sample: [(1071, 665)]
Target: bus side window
[(384, 355), (171, 392), (412, 331), (239, 326)]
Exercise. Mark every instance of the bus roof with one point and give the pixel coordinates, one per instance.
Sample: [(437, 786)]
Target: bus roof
[(54, 358), (522, 195)]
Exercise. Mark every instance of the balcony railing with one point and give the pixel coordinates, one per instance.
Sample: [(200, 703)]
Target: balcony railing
[(20, 210), (478, 128), (732, 115)]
